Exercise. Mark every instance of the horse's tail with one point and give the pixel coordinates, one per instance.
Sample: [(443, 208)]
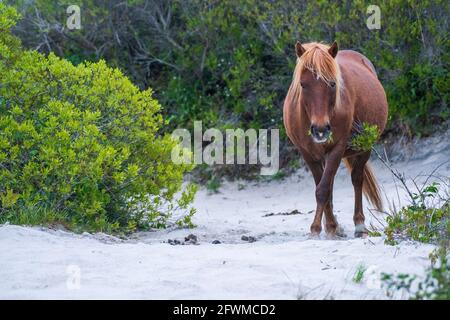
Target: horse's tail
[(371, 189)]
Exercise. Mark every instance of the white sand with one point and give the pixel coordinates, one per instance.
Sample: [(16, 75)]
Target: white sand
[(283, 263)]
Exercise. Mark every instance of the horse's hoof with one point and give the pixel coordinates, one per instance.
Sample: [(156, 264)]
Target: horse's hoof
[(362, 235), (340, 232), (361, 231), (336, 233), (314, 236)]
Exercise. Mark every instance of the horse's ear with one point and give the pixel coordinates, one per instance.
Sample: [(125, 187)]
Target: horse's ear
[(333, 49), (299, 50)]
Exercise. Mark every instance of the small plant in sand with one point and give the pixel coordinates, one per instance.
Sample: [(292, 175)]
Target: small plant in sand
[(418, 221), (426, 219), (359, 273), (213, 185), (364, 137), (434, 286)]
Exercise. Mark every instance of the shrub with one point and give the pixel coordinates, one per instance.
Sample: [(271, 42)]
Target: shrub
[(428, 224), (83, 141), (419, 221)]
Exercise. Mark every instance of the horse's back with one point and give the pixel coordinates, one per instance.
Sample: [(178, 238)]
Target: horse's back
[(350, 56), (362, 85)]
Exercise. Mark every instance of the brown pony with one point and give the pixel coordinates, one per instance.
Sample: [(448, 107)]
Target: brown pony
[(332, 91)]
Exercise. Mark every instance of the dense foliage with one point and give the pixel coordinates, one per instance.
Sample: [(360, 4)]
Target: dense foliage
[(79, 145), (229, 63)]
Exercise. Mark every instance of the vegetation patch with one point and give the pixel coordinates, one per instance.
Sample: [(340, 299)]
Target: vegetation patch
[(364, 136), (434, 286), (359, 273), (81, 145), (420, 222), (427, 224)]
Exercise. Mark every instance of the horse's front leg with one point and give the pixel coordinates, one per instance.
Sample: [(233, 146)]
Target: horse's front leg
[(316, 167), (324, 191), (331, 225)]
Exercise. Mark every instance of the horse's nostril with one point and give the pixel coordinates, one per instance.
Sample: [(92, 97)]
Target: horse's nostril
[(322, 129)]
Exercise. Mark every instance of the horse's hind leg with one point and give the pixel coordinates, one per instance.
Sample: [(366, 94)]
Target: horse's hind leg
[(330, 220), (358, 163)]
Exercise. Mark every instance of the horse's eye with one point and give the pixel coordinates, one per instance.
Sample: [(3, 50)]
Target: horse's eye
[(302, 84), (333, 84)]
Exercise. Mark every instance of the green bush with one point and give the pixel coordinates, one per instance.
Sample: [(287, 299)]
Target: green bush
[(420, 222), (82, 141)]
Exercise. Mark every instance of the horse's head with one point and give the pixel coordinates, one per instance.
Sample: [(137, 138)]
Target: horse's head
[(318, 82)]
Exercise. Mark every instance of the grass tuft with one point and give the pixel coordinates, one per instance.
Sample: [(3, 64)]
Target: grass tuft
[(359, 273)]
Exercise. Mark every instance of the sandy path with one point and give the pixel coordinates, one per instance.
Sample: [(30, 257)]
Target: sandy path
[(283, 263)]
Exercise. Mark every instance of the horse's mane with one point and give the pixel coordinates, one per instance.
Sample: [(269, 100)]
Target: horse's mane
[(317, 60)]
